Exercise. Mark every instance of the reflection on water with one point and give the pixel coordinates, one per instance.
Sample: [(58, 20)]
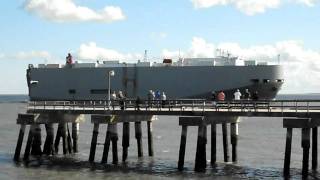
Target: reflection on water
[(144, 168)]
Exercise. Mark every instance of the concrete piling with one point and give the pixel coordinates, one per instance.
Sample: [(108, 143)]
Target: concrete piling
[(138, 135), (94, 139), (182, 149), (150, 139), (64, 135), (29, 143), (287, 155), (225, 142), (114, 140), (75, 134), (305, 143), (213, 144), (70, 149), (106, 145), (36, 144), (314, 148), (48, 148), (19, 142), (234, 140), (200, 162), (58, 136), (125, 140)]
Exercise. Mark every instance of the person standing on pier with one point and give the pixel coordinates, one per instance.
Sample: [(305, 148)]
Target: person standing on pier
[(255, 96), (237, 95), (247, 95), (163, 99), (221, 96), (150, 98), (213, 98), (138, 103), (158, 97), (113, 99), (121, 100)]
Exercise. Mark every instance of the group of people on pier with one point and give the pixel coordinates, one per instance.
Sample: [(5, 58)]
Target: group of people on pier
[(155, 98), (237, 95)]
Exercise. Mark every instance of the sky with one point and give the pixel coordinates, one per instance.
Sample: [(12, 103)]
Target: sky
[(44, 31)]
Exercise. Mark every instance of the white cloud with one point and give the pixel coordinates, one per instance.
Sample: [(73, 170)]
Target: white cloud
[(30, 55), (250, 7), (199, 48), (91, 51), (68, 11), (301, 65)]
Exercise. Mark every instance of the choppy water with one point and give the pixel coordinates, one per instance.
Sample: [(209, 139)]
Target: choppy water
[(260, 153)]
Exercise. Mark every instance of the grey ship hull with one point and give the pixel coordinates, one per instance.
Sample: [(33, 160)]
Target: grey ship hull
[(175, 81)]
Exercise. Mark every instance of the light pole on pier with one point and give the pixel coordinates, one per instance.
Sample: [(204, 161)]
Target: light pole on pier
[(110, 73)]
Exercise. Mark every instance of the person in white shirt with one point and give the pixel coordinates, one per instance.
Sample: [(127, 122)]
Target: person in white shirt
[(163, 98), (237, 95)]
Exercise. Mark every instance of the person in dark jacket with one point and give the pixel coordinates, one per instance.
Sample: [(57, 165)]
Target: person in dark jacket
[(121, 98), (138, 103), (255, 96), (247, 95)]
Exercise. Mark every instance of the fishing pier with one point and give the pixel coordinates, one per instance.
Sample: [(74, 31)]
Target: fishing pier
[(296, 114)]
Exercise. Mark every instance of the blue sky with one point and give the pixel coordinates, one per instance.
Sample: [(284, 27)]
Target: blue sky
[(44, 31)]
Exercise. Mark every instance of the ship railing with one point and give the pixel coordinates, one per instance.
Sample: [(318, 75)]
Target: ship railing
[(180, 105)]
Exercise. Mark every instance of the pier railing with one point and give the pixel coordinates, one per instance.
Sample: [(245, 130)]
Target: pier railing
[(180, 105)]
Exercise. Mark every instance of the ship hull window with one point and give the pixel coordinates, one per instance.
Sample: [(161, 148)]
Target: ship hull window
[(72, 91), (255, 80), (99, 91)]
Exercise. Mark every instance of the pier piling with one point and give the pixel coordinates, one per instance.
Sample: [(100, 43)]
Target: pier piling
[(150, 138), (29, 143), (287, 155), (70, 149), (125, 140), (314, 148), (305, 143), (94, 139), (138, 135), (213, 144), (58, 136), (225, 142), (182, 149), (200, 162), (234, 140), (106, 145), (19, 142), (64, 135), (75, 135), (48, 148), (114, 139), (36, 144)]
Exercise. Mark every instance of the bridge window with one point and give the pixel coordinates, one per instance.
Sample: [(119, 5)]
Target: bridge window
[(280, 80), (99, 91), (72, 91)]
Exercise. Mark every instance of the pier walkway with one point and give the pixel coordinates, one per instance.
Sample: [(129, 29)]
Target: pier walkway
[(298, 114), (186, 107)]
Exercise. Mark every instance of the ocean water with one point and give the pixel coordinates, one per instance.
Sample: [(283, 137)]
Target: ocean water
[(260, 151)]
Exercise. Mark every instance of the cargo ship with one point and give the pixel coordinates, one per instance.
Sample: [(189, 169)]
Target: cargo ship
[(184, 78)]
